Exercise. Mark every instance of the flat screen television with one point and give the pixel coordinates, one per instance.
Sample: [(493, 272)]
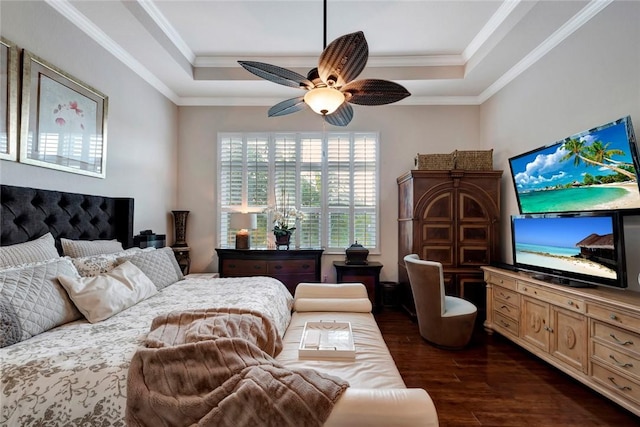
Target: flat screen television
[(589, 171), (576, 249)]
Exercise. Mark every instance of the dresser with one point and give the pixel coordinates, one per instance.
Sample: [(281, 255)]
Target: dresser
[(289, 266), (591, 334), (452, 217)]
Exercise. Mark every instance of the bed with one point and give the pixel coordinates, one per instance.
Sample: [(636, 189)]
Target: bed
[(76, 373), (74, 354)]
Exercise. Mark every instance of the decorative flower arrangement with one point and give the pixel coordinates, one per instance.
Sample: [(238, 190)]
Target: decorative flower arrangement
[(284, 219)]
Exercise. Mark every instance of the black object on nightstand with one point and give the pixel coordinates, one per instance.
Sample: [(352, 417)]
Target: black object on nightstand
[(367, 274), (148, 239)]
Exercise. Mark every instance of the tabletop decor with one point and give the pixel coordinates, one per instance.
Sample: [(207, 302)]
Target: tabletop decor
[(284, 221)]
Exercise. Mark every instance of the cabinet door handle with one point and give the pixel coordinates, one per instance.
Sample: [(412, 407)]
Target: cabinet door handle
[(613, 381), (620, 342), (547, 328), (620, 364)]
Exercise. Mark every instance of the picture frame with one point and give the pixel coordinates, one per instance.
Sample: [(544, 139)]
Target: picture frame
[(63, 121), (9, 66)]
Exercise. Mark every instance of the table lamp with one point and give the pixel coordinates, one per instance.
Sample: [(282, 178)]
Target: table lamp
[(243, 222)]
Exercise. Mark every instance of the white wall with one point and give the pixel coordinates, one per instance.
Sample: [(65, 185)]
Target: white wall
[(141, 124), (404, 132), (593, 77)]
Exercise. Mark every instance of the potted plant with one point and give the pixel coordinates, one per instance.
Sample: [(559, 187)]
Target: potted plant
[(284, 221)]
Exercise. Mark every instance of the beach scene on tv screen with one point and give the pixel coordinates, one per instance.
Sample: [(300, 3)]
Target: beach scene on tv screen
[(583, 245), (591, 171)]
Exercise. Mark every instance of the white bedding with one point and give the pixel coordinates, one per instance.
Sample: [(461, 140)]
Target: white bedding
[(76, 374)]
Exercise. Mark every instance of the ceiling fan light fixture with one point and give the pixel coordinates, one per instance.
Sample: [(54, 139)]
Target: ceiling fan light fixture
[(324, 100)]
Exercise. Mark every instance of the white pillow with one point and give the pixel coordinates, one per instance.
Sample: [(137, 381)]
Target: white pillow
[(82, 248), (32, 301), (160, 266), (102, 296), (93, 265), (41, 249)]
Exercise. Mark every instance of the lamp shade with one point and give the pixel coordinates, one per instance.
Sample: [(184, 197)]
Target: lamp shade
[(324, 100), (244, 221)]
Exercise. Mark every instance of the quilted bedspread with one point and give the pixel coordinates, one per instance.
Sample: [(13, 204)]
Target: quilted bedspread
[(76, 374)]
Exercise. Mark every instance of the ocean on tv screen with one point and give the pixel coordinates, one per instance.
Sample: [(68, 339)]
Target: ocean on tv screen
[(593, 170), (605, 197)]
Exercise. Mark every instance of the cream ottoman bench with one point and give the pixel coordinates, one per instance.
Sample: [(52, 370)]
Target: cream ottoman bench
[(377, 395)]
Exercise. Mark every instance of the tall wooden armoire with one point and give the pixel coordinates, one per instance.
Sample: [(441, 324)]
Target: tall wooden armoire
[(453, 217)]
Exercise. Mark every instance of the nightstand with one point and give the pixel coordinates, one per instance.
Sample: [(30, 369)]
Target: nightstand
[(183, 258), (367, 274)]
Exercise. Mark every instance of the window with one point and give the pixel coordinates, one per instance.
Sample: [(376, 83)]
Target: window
[(332, 178)]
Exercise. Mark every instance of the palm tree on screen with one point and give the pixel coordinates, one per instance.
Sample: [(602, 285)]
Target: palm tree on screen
[(595, 154)]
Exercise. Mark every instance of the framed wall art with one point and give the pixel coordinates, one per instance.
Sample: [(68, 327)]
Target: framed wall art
[(63, 121), (9, 65)]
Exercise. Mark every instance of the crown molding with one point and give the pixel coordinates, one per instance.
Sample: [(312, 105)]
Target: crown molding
[(67, 10), (578, 20)]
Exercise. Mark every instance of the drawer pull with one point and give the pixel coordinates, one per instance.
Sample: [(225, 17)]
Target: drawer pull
[(505, 324), (256, 267), (232, 266), (278, 267), (505, 296), (570, 302), (613, 316), (620, 364), (306, 266), (504, 307), (620, 342), (624, 388)]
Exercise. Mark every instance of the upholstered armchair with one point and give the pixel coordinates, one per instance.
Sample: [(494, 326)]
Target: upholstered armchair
[(443, 320)]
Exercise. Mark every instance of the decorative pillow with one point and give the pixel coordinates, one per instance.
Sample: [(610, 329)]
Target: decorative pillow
[(102, 296), (93, 265), (41, 249), (32, 301), (82, 248), (159, 265)]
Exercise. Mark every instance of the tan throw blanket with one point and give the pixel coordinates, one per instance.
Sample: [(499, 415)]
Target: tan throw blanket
[(216, 368)]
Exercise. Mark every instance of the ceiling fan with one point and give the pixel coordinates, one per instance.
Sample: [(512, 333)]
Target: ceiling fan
[(330, 87)]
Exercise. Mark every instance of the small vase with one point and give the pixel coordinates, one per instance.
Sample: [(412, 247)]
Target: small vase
[(180, 228), (283, 240)]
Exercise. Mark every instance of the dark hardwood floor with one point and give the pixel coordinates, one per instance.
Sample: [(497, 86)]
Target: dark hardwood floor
[(493, 382)]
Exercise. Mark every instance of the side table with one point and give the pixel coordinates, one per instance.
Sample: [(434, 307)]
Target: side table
[(367, 274), (183, 258)]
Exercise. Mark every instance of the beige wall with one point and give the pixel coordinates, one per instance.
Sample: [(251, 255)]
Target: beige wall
[(165, 156), (593, 77), (404, 132), (142, 123)]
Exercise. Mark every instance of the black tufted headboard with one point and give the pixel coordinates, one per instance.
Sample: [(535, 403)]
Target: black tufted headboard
[(28, 213)]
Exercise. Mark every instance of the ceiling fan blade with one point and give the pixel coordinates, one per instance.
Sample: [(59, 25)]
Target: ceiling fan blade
[(374, 92), (277, 74), (341, 117), (287, 107), (344, 59)]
